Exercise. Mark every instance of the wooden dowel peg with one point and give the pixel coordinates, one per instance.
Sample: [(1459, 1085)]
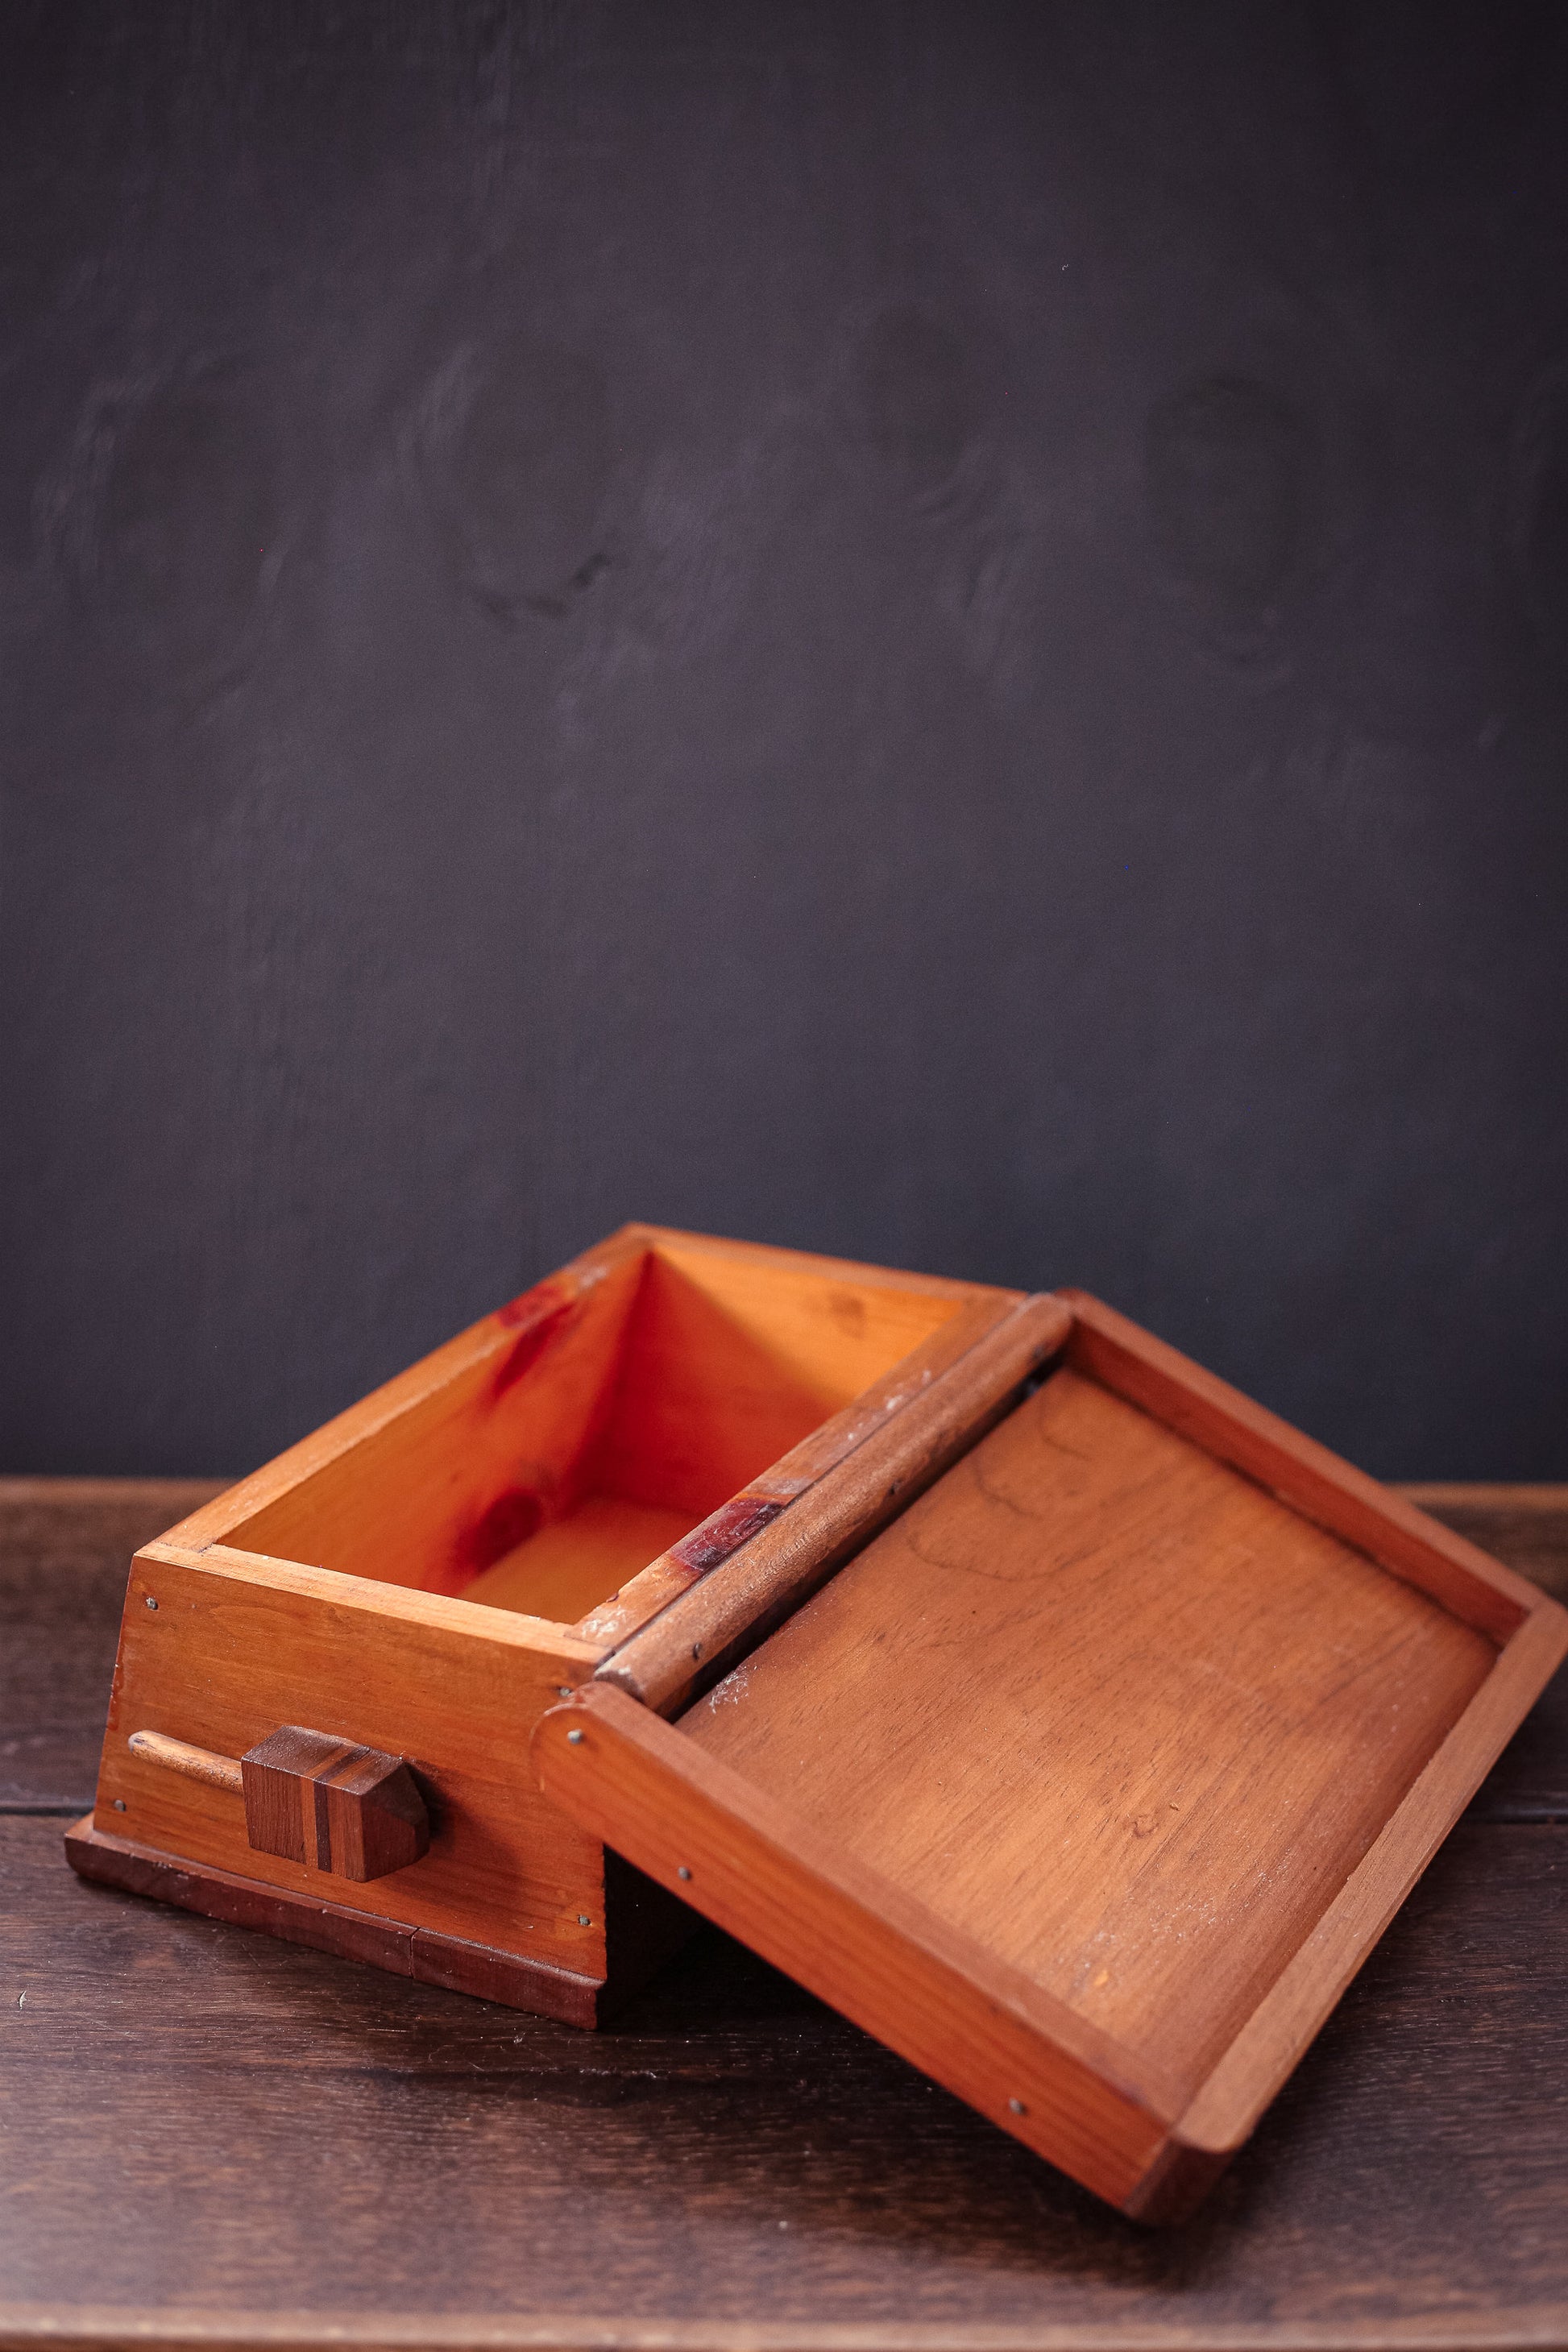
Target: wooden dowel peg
[(195, 1763)]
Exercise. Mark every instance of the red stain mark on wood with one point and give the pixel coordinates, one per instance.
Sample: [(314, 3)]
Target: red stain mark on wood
[(529, 1305), (725, 1532), (511, 1519), (540, 1317)]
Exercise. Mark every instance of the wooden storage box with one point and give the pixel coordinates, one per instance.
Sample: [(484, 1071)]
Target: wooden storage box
[(1069, 1721), (427, 1573)]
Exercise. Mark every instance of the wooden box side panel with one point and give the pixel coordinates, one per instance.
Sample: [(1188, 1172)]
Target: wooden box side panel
[(829, 1326), (1275, 2038), (489, 1445), (707, 1399), (1313, 1480), (737, 1269), (715, 1420), (237, 1647), (1477, 1590), (423, 1386), (750, 1865)]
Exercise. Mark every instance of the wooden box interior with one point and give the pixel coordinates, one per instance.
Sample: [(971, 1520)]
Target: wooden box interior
[(571, 1439)]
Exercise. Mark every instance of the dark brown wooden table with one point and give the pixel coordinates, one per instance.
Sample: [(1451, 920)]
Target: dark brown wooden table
[(209, 2138)]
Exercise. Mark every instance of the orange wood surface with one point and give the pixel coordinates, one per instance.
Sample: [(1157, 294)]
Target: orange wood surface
[(238, 1646), (1135, 1364), (743, 1597), (693, 1550), (405, 1579), (544, 1456), (563, 1573), (395, 1487), (1228, 2104), (1124, 1728), (747, 1859), (1110, 1709), (247, 2127)]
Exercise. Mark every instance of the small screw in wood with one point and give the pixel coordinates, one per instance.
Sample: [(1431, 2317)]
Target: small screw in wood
[(1017, 2107), (151, 1603), (574, 1737), (683, 1871)]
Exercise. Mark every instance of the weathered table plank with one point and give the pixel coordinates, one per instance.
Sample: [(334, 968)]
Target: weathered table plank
[(210, 2136), (254, 2128)]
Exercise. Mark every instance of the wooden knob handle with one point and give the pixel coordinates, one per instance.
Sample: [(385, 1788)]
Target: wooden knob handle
[(356, 1812)]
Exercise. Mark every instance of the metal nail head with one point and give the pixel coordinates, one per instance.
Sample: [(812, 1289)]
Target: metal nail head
[(1017, 2107), (583, 1921), (683, 1871), (119, 1804), (574, 1737), (151, 1603), (563, 1690)]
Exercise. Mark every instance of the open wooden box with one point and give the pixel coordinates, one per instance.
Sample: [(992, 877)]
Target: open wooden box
[(427, 1573), (1064, 1719)]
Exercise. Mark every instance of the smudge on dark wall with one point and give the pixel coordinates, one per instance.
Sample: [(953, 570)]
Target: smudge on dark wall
[(935, 632)]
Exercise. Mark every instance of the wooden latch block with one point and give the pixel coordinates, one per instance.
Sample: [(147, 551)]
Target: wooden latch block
[(353, 1812)]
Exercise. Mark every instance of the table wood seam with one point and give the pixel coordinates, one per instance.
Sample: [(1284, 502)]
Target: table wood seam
[(116, 2328)]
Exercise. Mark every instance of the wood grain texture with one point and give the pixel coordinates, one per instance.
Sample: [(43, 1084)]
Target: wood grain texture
[(1527, 1527), (544, 1456), (532, 1461), (332, 1804), (745, 1594), (1530, 1781), (237, 1646), (1304, 1473), (1142, 1733), (289, 2112), (601, 1543), (1110, 1709), (734, 1355), (202, 1764), (407, 1485), (1296, 2004), (880, 1957)]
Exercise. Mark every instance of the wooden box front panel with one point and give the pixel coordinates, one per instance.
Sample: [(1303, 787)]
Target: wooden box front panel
[(236, 1648)]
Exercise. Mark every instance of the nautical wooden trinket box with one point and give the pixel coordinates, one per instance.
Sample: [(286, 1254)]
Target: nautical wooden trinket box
[(1065, 1719)]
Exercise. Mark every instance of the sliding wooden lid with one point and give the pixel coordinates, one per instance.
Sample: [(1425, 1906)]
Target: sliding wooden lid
[(1089, 1782)]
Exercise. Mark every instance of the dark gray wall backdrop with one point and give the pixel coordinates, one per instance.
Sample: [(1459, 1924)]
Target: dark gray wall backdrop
[(934, 632)]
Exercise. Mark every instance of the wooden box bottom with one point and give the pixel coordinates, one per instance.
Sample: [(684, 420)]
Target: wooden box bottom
[(403, 1951)]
